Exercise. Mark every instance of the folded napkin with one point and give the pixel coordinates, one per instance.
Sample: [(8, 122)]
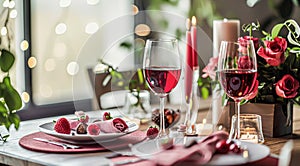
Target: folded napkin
[(115, 125), (198, 154)]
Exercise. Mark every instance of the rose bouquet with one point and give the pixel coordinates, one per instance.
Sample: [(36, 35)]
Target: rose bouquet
[(278, 61)]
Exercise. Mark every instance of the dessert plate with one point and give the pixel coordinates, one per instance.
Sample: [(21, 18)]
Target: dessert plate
[(256, 152), (86, 138)]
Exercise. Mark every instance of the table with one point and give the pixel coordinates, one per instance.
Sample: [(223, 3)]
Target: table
[(11, 153)]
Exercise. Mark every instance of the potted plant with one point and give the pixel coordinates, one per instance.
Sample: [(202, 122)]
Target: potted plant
[(277, 87), (10, 100)]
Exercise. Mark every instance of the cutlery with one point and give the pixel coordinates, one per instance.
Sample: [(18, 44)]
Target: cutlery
[(64, 145), (130, 161)]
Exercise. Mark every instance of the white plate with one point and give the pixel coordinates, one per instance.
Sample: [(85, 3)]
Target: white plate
[(85, 138), (256, 152)]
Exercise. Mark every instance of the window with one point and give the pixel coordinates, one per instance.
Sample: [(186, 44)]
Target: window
[(65, 38)]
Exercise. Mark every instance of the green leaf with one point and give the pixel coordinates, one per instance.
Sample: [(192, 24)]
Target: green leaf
[(15, 119), (295, 50), (3, 109), (126, 45), (204, 92), (11, 96), (2, 88), (7, 59), (276, 29), (140, 76), (265, 33)]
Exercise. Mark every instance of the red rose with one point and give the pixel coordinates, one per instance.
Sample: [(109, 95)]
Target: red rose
[(254, 91), (274, 51), (287, 87), (246, 38), (245, 62)]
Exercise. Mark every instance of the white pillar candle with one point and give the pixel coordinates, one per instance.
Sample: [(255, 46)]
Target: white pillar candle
[(227, 30)]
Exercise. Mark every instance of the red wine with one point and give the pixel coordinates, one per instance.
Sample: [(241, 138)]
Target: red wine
[(162, 79), (238, 84)]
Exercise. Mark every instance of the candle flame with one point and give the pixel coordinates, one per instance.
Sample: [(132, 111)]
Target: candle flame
[(194, 21), (188, 24), (220, 127)]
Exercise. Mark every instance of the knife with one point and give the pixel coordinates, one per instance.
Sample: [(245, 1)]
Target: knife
[(64, 145)]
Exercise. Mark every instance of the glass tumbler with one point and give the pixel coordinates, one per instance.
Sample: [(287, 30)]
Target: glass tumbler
[(250, 127)]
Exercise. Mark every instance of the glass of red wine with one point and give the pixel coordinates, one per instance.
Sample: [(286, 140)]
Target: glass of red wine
[(162, 70), (237, 71)]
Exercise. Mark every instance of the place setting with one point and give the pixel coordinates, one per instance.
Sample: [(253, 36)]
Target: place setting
[(83, 134)]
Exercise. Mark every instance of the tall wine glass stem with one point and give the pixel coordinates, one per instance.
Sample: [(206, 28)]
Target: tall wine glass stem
[(162, 129), (187, 121), (238, 124)]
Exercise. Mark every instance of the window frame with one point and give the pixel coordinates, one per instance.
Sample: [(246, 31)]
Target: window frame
[(30, 109)]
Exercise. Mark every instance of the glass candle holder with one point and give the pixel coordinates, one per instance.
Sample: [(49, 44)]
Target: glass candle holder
[(250, 128)]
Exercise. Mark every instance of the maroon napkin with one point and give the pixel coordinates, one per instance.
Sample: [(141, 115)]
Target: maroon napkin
[(198, 154)]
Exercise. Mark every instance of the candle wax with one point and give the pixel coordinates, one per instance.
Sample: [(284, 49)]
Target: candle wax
[(189, 67)]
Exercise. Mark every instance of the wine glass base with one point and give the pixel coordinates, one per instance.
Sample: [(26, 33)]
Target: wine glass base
[(164, 142)]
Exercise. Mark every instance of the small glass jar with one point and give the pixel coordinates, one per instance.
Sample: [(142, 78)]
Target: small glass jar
[(250, 128)]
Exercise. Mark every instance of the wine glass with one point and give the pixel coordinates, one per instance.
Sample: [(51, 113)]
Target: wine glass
[(237, 71), (162, 70)]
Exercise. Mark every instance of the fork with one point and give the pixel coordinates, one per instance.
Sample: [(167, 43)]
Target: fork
[(64, 145)]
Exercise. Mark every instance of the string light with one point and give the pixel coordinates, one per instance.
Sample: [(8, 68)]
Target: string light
[(142, 30), (50, 64), (65, 3), (32, 62), (11, 4), (46, 91), (91, 28), (60, 28), (139, 42), (25, 97), (3, 31), (92, 2), (24, 45), (5, 3), (135, 9), (72, 68), (13, 13)]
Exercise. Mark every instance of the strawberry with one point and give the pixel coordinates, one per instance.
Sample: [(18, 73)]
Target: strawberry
[(106, 116), (62, 125), (152, 132)]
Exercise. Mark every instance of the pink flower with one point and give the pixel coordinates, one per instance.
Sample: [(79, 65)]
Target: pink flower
[(209, 70), (274, 51), (287, 87), (254, 91)]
